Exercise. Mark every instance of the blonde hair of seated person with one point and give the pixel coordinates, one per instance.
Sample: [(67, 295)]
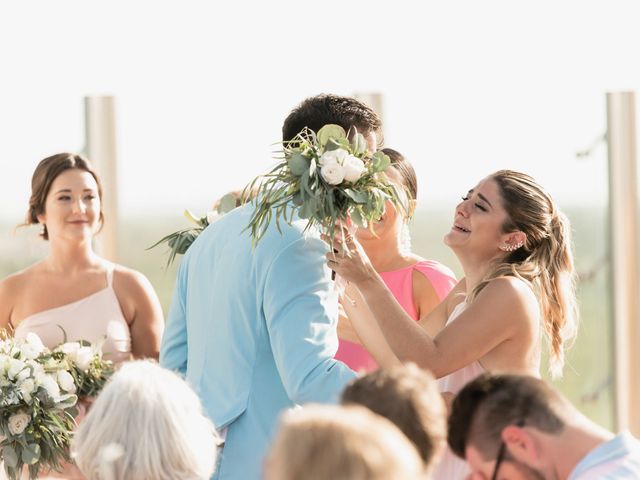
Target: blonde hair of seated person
[(146, 424), (319, 442)]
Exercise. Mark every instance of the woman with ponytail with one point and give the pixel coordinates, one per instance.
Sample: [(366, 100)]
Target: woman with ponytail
[(515, 249)]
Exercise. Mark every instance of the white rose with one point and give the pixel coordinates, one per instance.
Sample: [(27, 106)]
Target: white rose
[(65, 380), (23, 375), (353, 168), (212, 216), (35, 343), (18, 422), (15, 367), (70, 349), (332, 173), (51, 386), (27, 387), (84, 357), (333, 156), (4, 363)]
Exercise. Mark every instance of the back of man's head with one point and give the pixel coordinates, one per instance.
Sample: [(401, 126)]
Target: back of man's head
[(315, 112), (409, 397), (488, 404)]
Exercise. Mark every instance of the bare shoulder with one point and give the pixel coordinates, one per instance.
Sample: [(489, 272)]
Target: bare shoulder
[(16, 282), (12, 290), (129, 280), (513, 293)]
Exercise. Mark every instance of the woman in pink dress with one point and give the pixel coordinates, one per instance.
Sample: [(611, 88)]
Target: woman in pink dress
[(515, 249), (417, 284), (73, 291)]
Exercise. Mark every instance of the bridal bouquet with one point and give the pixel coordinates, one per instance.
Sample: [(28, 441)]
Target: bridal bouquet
[(328, 179), (37, 403)]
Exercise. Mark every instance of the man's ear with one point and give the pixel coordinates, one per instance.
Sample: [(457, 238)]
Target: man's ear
[(521, 445)]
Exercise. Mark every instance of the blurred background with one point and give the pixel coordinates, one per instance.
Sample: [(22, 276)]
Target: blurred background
[(197, 92)]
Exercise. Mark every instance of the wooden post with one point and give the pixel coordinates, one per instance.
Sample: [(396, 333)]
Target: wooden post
[(100, 137), (623, 204)]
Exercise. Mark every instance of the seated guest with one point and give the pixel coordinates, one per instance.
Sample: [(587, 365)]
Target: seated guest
[(519, 427), (322, 442), (409, 397), (146, 424)]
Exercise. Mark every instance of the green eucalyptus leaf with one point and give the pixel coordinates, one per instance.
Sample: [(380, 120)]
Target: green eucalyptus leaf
[(357, 218), (381, 161), (31, 454), (359, 144), (330, 131), (10, 456), (298, 163), (336, 143), (356, 196)]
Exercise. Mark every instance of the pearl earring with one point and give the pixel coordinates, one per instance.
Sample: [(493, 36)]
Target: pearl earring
[(511, 248)]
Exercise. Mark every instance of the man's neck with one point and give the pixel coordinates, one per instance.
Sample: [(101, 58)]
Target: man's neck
[(575, 443)]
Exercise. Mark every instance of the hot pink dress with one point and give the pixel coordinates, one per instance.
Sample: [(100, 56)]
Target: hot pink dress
[(95, 318), (400, 282)]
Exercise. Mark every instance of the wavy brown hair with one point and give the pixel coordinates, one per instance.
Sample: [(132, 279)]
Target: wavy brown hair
[(545, 261)]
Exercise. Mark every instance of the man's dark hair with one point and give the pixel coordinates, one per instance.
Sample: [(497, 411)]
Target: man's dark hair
[(488, 404), (409, 397), (316, 112)]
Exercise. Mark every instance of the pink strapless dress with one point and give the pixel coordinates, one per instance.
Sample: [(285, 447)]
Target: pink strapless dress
[(400, 282)]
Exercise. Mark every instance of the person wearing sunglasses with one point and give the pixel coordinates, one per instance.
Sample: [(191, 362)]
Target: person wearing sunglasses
[(513, 427)]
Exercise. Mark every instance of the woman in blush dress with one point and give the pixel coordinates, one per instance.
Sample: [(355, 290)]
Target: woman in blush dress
[(73, 291), (417, 284), (515, 249)]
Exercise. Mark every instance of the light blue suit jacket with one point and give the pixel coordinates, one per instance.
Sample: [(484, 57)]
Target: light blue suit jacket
[(254, 332)]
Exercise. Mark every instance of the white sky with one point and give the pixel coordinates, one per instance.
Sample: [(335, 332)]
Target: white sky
[(202, 88)]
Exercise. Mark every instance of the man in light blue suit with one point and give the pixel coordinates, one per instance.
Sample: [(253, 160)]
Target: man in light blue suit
[(254, 330)]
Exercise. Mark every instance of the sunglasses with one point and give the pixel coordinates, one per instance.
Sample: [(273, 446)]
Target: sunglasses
[(502, 453)]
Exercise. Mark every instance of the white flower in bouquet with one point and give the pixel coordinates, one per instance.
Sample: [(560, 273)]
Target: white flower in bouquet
[(332, 173), (4, 363), (84, 357), (51, 386), (26, 388), (333, 156), (15, 367), (18, 422), (33, 347), (78, 354), (353, 168), (66, 381), (70, 349)]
